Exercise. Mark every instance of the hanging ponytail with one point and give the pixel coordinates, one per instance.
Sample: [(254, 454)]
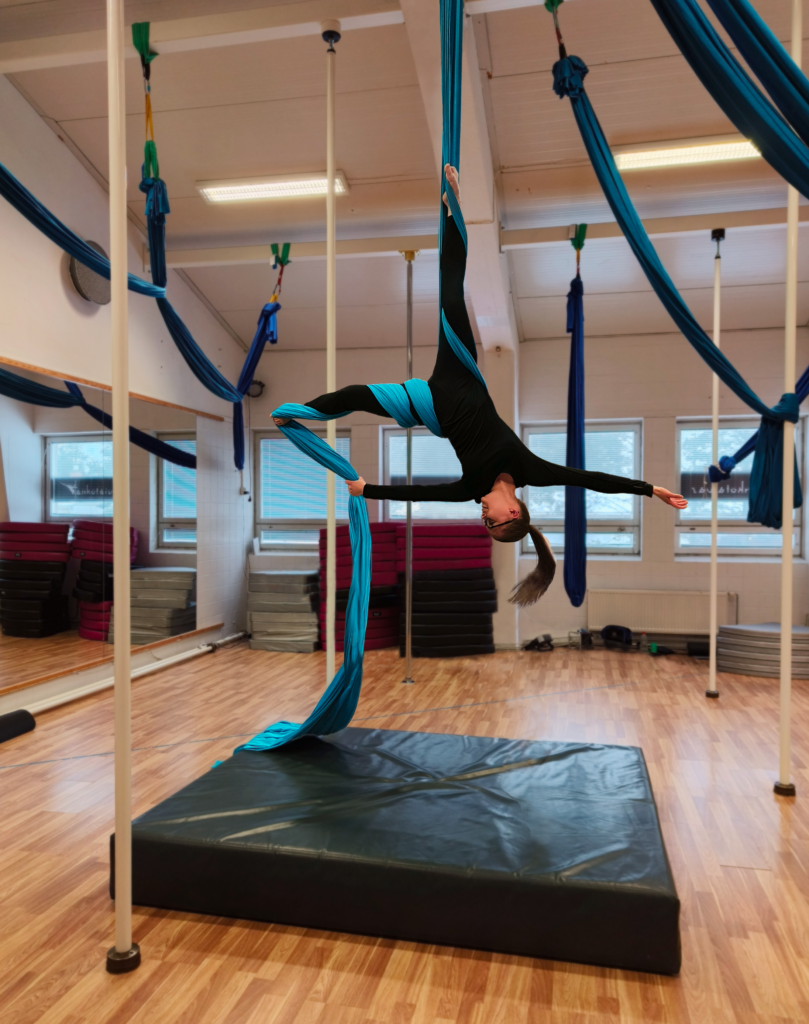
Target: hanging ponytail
[(529, 590)]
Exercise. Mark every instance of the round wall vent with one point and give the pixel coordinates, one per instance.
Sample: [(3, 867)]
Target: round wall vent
[(90, 285)]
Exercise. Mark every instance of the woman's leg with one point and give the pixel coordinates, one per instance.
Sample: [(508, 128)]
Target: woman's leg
[(354, 398), (449, 370)]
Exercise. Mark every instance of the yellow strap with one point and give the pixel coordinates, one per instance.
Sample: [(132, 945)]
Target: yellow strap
[(149, 122)]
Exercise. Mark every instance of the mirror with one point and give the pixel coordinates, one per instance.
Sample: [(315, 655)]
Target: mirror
[(56, 582)]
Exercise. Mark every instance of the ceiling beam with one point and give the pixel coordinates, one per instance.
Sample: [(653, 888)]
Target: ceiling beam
[(242, 255), (264, 24), (473, 7), (656, 227)]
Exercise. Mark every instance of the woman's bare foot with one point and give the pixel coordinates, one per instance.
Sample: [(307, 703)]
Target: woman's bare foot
[(280, 421), (452, 178)]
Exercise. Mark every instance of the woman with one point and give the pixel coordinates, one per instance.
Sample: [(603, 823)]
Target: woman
[(493, 459)]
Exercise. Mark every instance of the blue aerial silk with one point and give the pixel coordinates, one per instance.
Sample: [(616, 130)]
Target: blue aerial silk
[(266, 331), (575, 567), (734, 91), (787, 85), (765, 484), (31, 208), (336, 707), (23, 390), (729, 462), (157, 206)]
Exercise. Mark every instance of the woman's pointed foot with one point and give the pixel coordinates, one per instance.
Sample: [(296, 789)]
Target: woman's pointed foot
[(452, 179)]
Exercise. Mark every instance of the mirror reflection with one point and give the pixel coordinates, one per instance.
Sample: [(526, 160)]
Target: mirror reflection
[(57, 612)]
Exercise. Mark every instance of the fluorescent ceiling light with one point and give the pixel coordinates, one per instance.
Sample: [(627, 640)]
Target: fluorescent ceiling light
[(241, 190), (684, 152)]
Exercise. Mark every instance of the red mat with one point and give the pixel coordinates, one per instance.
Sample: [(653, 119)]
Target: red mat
[(444, 542), (446, 530), (33, 544), (92, 634), (7, 527), (460, 563), (99, 606), (34, 556)]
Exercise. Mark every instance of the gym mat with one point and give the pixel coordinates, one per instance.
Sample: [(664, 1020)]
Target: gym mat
[(368, 831)]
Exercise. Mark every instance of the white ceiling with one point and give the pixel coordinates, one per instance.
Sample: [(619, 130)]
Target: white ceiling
[(259, 108)]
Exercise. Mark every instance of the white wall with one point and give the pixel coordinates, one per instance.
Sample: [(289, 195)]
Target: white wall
[(43, 321), (657, 379), (224, 530), (20, 463)]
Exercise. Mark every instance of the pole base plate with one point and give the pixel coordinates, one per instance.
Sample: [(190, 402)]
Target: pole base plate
[(784, 788), (123, 963), (713, 694), (408, 681)]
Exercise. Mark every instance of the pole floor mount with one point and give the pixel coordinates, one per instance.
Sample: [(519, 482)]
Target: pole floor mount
[(712, 693), (784, 788), (123, 963)]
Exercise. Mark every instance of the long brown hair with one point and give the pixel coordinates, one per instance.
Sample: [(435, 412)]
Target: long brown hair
[(529, 590)]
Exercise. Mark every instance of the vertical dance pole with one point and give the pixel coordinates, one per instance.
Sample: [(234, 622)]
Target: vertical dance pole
[(717, 235), (409, 256), (124, 955), (331, 35), (784, 787)]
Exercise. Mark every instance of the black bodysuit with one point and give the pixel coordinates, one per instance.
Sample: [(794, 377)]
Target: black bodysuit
[(484, 444)]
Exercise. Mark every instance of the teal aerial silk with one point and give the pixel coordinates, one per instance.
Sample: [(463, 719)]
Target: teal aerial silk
[(336, 707)]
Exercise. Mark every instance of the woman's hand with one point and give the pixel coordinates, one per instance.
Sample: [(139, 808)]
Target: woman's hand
[(355, 487), (670, 498), (280, 421)]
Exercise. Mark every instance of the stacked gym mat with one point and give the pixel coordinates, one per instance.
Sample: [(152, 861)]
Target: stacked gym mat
[(162, 603), (282, 611), (92, 545), (383, 606), (453, 590), (33, 559), (755, 650)]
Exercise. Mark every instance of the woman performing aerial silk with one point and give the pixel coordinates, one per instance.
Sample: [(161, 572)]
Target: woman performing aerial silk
[(494, 460)]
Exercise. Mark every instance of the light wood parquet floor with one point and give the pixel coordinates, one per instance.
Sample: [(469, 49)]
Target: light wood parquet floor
[(740, 855), (22, 659)]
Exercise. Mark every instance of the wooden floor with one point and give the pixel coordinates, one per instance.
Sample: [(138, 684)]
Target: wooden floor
[(740, 855), (22, 660)]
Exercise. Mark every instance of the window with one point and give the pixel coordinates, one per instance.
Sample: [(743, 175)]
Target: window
[(177, 497), (434, 462), (291, 498), (79, 476), (613, 520), (735, 536)]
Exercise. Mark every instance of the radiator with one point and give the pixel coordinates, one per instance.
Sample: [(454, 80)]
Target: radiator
[(658, 611)]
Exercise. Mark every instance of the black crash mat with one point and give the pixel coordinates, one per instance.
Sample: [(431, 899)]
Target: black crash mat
[(543, 849)]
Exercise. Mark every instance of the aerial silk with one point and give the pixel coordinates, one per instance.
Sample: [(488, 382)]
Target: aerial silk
[(765, 483), (729, 462), (30, 207), (575, 567), (336, 707), (735, 93), (23, 390), (157, 206), (787, 85)]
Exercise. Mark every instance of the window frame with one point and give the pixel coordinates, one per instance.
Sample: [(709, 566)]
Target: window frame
[(262, 526), (168, 522), (89, 437), (387, 433), (735, 526), (593, 525)]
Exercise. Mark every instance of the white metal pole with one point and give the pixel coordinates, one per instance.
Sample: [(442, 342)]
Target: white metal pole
[(331, 34), (124, 955), (409, 256), (717, 235), (784, 786)]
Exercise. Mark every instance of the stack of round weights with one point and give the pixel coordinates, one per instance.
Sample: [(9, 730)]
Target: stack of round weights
[(454, 595), (33, 559), (163, 603), (282, 610), (383, 606), (92, 545)]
